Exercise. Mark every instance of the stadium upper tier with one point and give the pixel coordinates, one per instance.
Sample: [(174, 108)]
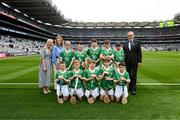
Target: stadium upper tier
[(41, 10), (27, 18)]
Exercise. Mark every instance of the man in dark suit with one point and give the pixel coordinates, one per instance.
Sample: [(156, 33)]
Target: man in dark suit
[(133, 59)]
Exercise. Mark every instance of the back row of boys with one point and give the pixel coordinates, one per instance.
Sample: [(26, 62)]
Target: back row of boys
[(92, 71)]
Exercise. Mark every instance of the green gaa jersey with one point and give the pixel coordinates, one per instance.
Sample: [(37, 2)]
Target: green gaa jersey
[(79, 82), (107, 84), (124, 75), (67, 56), (82, 56), (65, 74), (119, 55), (91, 84), (107, 52), (94, 53)]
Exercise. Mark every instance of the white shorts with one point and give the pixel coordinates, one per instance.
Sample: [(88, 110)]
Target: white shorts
[(110, 92), (95, 93), (119, 91), (79, 92), (64, 90)]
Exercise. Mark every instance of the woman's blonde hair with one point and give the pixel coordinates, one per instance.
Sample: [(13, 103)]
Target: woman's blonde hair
[(49, 40)]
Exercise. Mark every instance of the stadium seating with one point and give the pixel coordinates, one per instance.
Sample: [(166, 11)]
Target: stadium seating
[(25, 31), (19, 46)]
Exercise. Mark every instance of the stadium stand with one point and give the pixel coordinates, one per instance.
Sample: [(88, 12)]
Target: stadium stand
[(25, 25), (19, 46)]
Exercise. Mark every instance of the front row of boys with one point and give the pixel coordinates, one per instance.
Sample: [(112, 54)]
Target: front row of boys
[(105, 74)]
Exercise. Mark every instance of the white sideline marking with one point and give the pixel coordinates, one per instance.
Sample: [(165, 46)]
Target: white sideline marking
[(146, 84), (12, 57)]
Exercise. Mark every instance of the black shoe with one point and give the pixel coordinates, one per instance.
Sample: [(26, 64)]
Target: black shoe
[(133, 92)]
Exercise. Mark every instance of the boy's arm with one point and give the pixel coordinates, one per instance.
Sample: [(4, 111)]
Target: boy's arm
[(70, 64), (116, 78), (108, 78), (101, 76), (61, 56), (97, 60), (126, 80), (66, 80), (88, 79), (82, 78), (71, 76), (102, 56), (92, 77)]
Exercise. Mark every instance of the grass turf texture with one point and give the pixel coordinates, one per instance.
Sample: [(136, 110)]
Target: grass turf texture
[(151, 102)]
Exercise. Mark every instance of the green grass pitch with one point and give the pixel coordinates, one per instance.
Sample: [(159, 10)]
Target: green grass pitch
[(160, 102)]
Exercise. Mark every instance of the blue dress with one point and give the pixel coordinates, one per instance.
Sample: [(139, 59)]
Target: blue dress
[(56, 52)]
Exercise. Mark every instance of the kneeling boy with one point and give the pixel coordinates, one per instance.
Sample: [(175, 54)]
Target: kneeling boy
[(91, 85), (122, 80), (76, 82), (62, 79)]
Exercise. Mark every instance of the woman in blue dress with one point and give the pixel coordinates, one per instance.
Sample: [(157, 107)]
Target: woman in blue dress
[(56, 52)]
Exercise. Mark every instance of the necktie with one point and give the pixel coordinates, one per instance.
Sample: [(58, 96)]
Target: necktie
[(129, 45)]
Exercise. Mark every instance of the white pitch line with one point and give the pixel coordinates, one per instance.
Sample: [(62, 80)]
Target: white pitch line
[(145, 84), (24, 56)]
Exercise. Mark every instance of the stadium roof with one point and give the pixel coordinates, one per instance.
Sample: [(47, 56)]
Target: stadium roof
[(110, 24), (46, 12), (40, 10)]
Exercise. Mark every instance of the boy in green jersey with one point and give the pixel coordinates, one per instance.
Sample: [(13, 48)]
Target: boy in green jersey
[(107, 53), (67, 55), (94, 51), (76, 87), (91, 86), (119, 56), (81, 55), (107, 76), (62, 79), (122, 79)]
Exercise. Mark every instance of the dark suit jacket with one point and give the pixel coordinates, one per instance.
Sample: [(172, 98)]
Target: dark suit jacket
[(135, 55)]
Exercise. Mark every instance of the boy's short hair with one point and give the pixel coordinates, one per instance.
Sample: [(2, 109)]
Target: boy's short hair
[(107, 41), (106, 60), (94, 40), (67, 41), (118, 44), (76, 60), (92, 61), (61, 62), (80, 43), (122, 64)]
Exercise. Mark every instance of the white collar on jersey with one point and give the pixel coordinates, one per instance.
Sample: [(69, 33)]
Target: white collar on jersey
[(106, 68), (92, 71), (62, 71), (94, 48), (67, 51), (76, 71), (107, 49), (122, 73)]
